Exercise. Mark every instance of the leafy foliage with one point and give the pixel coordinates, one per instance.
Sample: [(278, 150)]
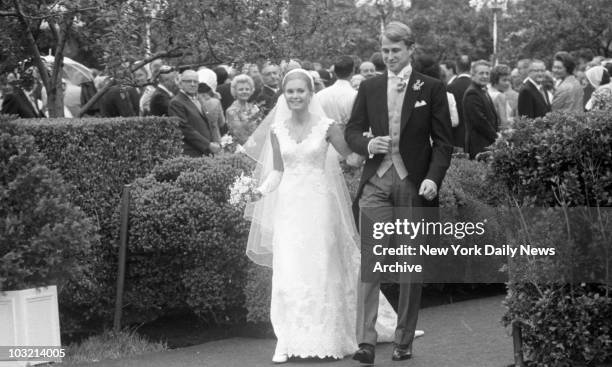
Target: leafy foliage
[(97, 157), (561, 326), (559, 163), (44, 238), (186, 242), (558, 159)]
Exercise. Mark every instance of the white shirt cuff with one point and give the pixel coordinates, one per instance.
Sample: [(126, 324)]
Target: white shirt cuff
[(371, 155)]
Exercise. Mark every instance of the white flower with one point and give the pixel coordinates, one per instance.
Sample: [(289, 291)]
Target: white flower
[(417, 85), (242, 191), (226, 140)]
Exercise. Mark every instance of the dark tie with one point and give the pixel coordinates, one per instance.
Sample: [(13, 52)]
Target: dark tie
[(545, 93)]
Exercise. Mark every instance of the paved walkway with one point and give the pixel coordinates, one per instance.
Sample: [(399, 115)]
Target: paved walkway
[(466, 334)]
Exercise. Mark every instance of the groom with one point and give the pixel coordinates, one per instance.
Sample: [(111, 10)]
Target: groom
[(408, 115)]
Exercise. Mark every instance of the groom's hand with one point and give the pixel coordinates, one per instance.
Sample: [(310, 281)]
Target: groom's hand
[(429, 189), (380, 145)]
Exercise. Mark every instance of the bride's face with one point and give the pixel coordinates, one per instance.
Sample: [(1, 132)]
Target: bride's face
[(297, 94)]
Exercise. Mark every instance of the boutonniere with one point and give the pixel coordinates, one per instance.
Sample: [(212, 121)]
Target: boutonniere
[(417, 85)]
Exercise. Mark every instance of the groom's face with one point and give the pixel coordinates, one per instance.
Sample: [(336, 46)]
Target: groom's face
[(396, 55)]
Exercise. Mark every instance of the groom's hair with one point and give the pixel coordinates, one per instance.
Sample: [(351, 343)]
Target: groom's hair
[(343, 67), (397, 32)]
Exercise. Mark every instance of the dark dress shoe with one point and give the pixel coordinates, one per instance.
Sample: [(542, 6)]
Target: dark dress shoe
[(365, 354), (401, 352)]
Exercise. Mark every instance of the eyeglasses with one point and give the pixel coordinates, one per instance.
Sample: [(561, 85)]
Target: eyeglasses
[(189, 81)]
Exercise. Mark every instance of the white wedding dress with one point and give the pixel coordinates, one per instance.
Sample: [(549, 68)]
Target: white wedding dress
[(315, 265)]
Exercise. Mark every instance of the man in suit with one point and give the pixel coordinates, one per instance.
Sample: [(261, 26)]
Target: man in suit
[(198, 137), (270, 91), (367, 69), (568, 93), (479, 115), (408, 155), (533, 99), (120, 100), (21, 100), (457, 88), (449, 70), (160, 100)]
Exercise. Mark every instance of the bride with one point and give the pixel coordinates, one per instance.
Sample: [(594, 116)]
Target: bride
[(303, 228)]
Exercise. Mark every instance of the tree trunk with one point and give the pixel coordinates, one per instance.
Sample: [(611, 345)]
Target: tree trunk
[(55, 91), (298, 23)]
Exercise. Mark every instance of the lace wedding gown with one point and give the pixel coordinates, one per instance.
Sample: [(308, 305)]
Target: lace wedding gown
[(315, 265)]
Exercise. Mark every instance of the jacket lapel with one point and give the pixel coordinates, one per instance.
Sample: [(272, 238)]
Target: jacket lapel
[(409, 100), (382, 116), (193, 107), (536, 92)]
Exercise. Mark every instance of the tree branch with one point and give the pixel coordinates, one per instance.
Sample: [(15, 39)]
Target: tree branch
[(208, 43), (47, 16), (31, 42)]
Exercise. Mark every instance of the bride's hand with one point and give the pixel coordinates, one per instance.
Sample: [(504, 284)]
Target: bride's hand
[(257, 195)]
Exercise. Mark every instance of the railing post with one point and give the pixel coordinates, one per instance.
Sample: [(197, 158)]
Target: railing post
[(517, 341), (123, 241)]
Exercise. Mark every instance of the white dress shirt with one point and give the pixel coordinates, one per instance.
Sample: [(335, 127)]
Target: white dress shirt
[(337, 100)]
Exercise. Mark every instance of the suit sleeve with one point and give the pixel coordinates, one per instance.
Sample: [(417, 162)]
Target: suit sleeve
[(191, 136), (358, 123), (441, 135), (10, 105), (474, 107), (562, 99), (525, 104)]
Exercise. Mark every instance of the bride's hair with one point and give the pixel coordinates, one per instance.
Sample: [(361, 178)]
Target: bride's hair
[(300, 74)]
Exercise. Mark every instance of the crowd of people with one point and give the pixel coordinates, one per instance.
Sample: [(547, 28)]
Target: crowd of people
[(483, 98)]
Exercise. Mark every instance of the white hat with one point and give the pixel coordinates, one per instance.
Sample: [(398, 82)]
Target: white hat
[(208, 77)]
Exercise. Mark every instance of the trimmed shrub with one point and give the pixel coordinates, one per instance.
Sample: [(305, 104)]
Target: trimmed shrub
[(44, 238), (97, 157), (563, 158), (562, 161), (187, 244)]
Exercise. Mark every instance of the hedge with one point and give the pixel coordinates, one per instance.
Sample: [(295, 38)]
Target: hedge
[(97, 157), (561, 158), (561, 161), (187, 244), (44, 238)]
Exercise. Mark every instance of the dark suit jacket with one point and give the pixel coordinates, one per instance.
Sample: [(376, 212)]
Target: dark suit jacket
[(531, 102), (422, 158), (160, 101), (481, 121), (197, 131), (225, 92), (120, 100), (457, 88), (267, 99), (17, 103)]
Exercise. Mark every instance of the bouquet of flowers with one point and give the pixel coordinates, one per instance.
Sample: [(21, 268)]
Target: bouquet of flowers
[(229, 145), (243, 191)]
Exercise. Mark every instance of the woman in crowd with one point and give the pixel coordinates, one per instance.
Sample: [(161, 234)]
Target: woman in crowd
[(601, 98), (500, 83), (211, 100), (242, 116)]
